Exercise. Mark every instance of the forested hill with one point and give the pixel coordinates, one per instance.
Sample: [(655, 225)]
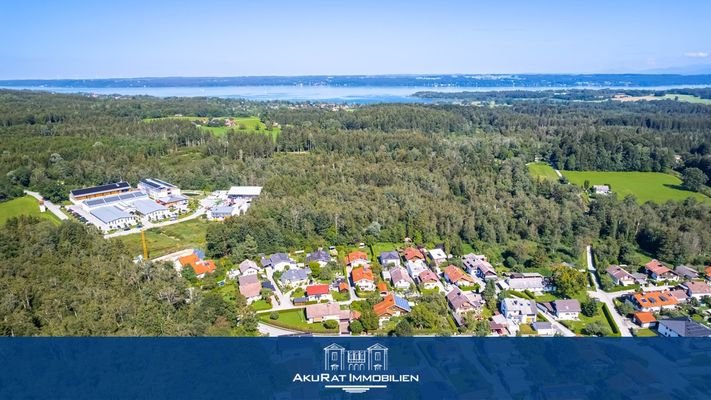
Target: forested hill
[(436, 173)]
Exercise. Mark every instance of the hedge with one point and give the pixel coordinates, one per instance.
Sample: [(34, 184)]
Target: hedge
[(610, 320)]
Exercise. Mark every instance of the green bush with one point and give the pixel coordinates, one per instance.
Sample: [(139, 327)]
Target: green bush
[(330, 324), (274, 315), (610, 320)]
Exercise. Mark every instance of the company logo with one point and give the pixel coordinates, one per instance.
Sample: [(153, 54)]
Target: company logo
[(355, 371)]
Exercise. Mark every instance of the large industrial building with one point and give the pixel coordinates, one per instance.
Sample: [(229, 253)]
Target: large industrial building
[(163, 192), (244, 192), (98, 191)]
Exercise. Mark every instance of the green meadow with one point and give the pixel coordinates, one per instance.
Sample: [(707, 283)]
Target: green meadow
[(241, 124), (645, 186), (542, 170), (24, 206)]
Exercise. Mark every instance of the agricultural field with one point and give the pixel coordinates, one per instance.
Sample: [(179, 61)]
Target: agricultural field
[(656, 187), (243, 124), (168, 239), (542, 170), (24, 206)]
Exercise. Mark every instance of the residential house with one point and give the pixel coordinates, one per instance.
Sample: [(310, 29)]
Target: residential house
[(295, 277), (278, 262), (411, 254), (248, 267), (195, 260), (601, 189), (653, 301), (697, 289), (531, 281), (456, 276), (679, 294), (428, 279), (644, 319), (462, 303), (391, 306), (357, 258), (520, 311), (382, 288), (415, 267), (499, 325), (567, 309), (320, 256), (389, 258), (250, 287), (318, 292), (363, 278), (707, 271), (640, 278), (341, 285), (478, 265), (329, 311), (544, 328), (659, 272), (400, 279), (438, 256), (620, 276), (685, 272), (682, 327)]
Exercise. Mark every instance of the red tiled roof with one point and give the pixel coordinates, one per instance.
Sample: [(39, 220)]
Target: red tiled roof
[(203, 267), (382, 287), (412, 253), (655, 299), (384, 306), (362, 273), (656, 267), (454, 274), (428, 276), (645, 317), (343, 286), (356, 255), (708, 271), (191, 259), (315, 290)]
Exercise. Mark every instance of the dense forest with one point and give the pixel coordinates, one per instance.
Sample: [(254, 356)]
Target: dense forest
[(449, 174)]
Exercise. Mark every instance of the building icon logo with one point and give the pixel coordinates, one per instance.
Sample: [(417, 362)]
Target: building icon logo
[(337, 359)]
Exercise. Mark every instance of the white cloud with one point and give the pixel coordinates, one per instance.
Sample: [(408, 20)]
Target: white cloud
[(697, 54)]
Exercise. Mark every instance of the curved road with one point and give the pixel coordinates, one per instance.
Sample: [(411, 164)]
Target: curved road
[(607, 298)]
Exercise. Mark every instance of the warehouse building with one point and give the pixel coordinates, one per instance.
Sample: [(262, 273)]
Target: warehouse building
[(244, 192), (113, 218), (163, 192), (78, 195), (151, 210)]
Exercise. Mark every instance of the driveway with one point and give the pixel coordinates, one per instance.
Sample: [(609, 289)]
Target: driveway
[(150, 225), (53, 208), (607, 298), (557, 325)]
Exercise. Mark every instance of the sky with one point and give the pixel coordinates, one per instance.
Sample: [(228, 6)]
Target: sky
[(127, 38)]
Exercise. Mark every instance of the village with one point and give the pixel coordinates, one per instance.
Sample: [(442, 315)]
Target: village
[(326, 291)]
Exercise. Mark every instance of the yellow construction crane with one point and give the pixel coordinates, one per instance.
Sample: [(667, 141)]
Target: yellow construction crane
[(145, 245)]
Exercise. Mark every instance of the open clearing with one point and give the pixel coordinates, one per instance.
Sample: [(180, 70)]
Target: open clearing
[(676, 97), (168, 239), (239, 124), (645, 186), (24, 206), (542, 171)]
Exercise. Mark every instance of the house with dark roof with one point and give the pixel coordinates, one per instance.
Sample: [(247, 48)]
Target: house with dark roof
[(248, 267), (295, 277), (278, 262), (685, 272), (620, 276), (389, 258), (478, 265), (566, 309), (462, 303), (520, 311), (544, 328), (320, 256), (682, 327)]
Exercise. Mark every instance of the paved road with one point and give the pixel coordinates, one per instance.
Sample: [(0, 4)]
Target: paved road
[(557, 172), (283, 300), (53, 208), (150, 225), (271, 330), (607, 298)]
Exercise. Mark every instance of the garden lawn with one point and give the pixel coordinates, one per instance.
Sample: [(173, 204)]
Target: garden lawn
[(645, 186), (542, 171), (26, 205), (168, 239), (644, 332), (578, 326), (295, 319), (241, 124)]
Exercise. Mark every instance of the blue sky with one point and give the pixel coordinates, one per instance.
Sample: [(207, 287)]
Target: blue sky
[(100, 39)]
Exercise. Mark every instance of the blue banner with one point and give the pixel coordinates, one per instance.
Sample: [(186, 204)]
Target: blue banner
[(357, 368)]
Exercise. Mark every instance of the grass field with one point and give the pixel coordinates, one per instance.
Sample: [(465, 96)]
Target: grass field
[(241, 124), (542, 171), (24, 206), (295, 319), (676, 97), (645, 186), (168, 239)]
